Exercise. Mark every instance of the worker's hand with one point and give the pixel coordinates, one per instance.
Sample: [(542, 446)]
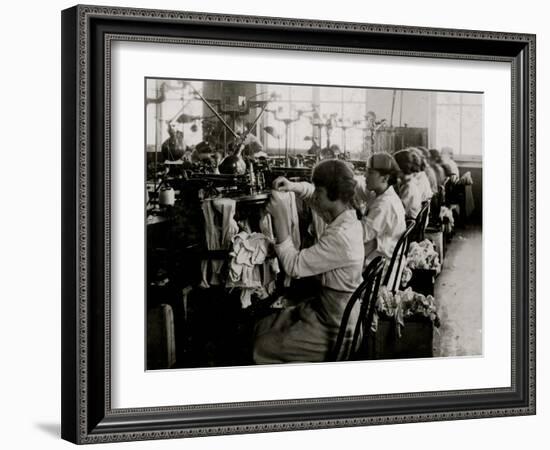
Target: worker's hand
[(277, 206), (282, 184)]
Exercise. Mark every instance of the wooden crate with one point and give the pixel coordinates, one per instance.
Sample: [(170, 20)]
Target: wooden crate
[(423, 281), (416, 339)]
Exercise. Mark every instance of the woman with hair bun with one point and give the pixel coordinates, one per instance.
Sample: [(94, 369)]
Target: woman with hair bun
[(420, 175), (306, 332), (435, 162), (449, 165), (426, 178), (408, 188), (384, 221)]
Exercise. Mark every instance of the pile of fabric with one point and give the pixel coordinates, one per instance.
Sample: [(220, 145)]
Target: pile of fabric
[(252, 266), (422, 255), (250, 269), (403, 305)]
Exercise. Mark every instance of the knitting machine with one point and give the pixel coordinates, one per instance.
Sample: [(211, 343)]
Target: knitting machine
[(250, 187)]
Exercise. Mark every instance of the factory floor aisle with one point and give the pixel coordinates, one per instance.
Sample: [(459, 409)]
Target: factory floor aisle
[(458, 291)]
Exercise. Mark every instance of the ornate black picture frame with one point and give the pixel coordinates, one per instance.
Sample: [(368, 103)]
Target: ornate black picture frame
[(87, 35)]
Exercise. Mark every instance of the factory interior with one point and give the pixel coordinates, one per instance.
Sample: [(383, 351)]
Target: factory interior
[(227, 286)]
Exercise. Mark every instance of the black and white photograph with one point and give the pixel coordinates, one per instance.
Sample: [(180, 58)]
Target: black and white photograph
[(294, 223), (275, 225)]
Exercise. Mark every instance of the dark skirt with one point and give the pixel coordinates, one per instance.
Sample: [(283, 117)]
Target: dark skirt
[(303, 333)]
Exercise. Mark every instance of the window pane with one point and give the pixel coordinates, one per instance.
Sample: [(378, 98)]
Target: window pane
[(152, 88), (448, 127), (336, 138), (354, 95), (301, 93), (276, 137), (178, 100), (353, 111), (379, 101), (297, 130), (297, 134), (472, 99), (284, 90), (329, 94), (472, 130), (281, 109), (151, 127), (445, 98), (354, 141), (152, 92), (327, 109)]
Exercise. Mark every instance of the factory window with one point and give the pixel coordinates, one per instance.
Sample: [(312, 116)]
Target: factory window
[(287, 120), (346, 107), (459, 123), (166, 101)]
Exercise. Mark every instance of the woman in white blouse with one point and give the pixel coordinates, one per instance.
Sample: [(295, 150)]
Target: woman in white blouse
[(307, 332), (408, 187), (384, 220), (428, 169), (421, 176)]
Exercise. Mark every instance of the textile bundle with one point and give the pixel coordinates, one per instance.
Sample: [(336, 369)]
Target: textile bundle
[(293, 221), (219, 235), (250, 269), (422, 255), (404, 304)]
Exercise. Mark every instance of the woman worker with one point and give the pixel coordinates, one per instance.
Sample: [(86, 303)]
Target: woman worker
[(427, 176), (449, 164), (384, 220), (435, 162), (307, 332), (174, 147), (408, 187)]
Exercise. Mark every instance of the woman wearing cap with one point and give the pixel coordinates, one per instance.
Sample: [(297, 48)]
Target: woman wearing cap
[(306, 332), (408, 188), (384, 221)]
